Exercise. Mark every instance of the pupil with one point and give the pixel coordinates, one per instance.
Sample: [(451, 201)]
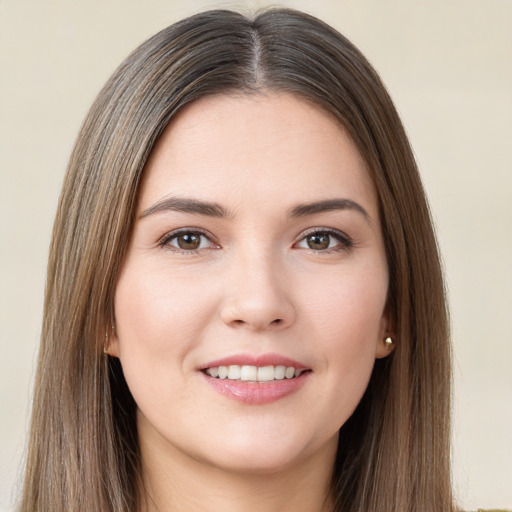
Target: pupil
[(318, 241), (188, 241)]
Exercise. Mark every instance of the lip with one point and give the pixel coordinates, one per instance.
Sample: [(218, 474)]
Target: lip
[(256, 393)]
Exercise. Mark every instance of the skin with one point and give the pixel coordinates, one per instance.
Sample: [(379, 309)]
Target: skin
[(254, 285)]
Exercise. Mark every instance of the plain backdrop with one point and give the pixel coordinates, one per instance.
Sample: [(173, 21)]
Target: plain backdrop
[(448, 66)]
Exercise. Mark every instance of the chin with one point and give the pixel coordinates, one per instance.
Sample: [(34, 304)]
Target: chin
[(266, 452), (258, 460)]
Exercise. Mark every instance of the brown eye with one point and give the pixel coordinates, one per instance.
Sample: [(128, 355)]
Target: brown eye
[(325, 241), (188, 241), (318, 241)]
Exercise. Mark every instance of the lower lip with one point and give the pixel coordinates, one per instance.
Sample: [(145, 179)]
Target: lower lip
[(254, 392)]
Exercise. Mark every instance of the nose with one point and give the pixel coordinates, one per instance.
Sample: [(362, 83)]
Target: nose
[(257, 296)]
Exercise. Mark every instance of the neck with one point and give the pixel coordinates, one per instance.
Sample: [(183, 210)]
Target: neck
[(174, 482)]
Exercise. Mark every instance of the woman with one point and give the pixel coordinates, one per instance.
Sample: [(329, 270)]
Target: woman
[(244, 305)]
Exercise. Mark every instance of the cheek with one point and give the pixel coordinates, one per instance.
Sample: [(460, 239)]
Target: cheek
[(159, 317), (159, 322), (345, 319), (347, 308)]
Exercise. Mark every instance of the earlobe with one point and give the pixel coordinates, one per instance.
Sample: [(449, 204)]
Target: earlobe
[(385, 346), (111, 345), (386, 343)]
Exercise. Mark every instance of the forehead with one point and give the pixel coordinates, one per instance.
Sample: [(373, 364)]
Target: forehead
[(234, 148)]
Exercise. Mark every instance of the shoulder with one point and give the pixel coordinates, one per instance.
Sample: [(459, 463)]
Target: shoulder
[(487, 510), (493, 510)]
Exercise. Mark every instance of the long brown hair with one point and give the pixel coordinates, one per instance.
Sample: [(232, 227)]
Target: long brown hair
[(83, 452)]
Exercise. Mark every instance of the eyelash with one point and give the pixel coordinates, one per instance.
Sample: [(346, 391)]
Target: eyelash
[(345, 242), (164, 242)]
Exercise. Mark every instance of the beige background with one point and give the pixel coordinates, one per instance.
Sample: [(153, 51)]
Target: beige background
[(448, 65)]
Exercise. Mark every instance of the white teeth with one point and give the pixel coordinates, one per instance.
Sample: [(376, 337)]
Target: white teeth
[(265, 373), (234, 372), (279, 372), (289, 373), (254, 373), (249, 373)]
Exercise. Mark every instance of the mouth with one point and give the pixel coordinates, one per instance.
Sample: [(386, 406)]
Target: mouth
[(256, 380), (250, 373)]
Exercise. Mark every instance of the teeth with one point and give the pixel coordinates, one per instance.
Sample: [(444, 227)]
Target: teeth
[(234, 372), (254, 373), (247, 372), (279, 372), (265, 373)]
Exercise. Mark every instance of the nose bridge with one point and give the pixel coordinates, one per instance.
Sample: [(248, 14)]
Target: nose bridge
[(257, 294)]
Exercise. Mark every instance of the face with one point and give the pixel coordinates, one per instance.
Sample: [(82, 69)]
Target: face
[(257, 252)]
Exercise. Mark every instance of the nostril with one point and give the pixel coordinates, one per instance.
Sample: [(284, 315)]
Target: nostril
[(277, 321)]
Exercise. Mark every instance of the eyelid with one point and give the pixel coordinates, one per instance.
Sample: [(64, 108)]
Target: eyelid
[(345, 241), (163, 242)]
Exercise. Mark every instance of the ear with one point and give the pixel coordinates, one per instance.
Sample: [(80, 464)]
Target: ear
[(111, 343), (386, 341)]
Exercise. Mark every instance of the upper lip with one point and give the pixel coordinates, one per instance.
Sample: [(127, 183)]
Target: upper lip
[(269, 359)]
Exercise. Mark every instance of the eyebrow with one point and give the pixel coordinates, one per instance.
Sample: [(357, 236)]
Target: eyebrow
[(210, 209), (327, 205), (186, 205)]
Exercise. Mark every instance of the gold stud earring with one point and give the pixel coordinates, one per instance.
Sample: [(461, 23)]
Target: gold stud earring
[(388, 342)]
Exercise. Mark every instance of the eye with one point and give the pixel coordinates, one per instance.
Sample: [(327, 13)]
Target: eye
[(187, 241), (325, 241)]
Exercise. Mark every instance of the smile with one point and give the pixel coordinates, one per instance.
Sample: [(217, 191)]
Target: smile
[(256, 380), (254, 373)]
